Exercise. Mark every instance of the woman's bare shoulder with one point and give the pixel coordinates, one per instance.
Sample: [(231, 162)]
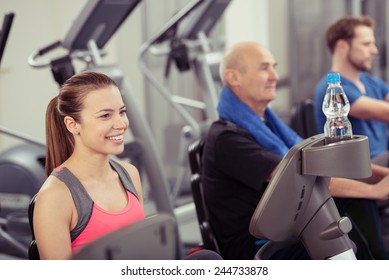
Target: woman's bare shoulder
[(130, 168), (135, 177), (53, 189)]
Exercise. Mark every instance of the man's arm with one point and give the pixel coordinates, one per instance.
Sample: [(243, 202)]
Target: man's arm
[(378, 172), (340, 187), (369, 108)]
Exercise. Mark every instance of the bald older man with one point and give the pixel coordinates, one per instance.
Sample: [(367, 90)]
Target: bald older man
[(244, 147)]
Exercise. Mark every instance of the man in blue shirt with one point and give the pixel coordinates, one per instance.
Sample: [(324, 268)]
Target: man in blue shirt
[(351, 42)]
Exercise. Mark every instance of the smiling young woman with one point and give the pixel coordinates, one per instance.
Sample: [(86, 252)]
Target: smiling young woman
[(86, 194)]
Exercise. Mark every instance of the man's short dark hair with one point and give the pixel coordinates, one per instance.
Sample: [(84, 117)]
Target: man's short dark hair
[(344, 28)]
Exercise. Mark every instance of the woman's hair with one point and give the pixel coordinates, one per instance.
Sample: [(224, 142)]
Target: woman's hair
[(69, 102), (344, 28)]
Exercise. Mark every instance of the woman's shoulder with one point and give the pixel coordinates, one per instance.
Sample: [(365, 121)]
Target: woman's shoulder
[(134, 175), (130, 168), (53, 200), (53, 188)]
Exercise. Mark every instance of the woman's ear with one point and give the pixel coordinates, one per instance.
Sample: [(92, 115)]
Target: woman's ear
[(71, 125)]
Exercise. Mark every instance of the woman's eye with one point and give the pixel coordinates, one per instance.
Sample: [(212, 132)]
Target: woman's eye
[(105, 116), (123, 112)]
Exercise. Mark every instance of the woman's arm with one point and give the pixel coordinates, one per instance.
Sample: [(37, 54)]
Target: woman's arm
[(53, 216)]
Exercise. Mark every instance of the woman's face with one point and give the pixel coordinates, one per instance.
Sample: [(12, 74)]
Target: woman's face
[(103, 122)]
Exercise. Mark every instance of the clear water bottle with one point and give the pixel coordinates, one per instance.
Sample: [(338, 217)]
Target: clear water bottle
[(336, 108)]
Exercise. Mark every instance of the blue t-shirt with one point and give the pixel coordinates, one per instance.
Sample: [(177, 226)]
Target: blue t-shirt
[(375, 130)]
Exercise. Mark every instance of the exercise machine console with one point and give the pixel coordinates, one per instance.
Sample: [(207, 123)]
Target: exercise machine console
[(308, 211)]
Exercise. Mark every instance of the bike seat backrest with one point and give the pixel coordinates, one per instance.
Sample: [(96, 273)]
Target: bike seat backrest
[(195, 156), (33, 253)]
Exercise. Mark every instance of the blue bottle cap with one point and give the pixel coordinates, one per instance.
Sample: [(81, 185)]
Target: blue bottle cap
[(333, 77)]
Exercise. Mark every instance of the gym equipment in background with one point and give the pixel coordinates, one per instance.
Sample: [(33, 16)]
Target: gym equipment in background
[(183, 40), (21, 175)]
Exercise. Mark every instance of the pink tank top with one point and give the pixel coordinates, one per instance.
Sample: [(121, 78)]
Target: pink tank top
[(103, 222), (93, 221)]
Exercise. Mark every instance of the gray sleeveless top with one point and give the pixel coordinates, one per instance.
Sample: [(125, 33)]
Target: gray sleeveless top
[(81, 198)]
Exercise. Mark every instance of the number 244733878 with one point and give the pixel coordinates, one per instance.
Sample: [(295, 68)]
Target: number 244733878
[(242, 270)]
